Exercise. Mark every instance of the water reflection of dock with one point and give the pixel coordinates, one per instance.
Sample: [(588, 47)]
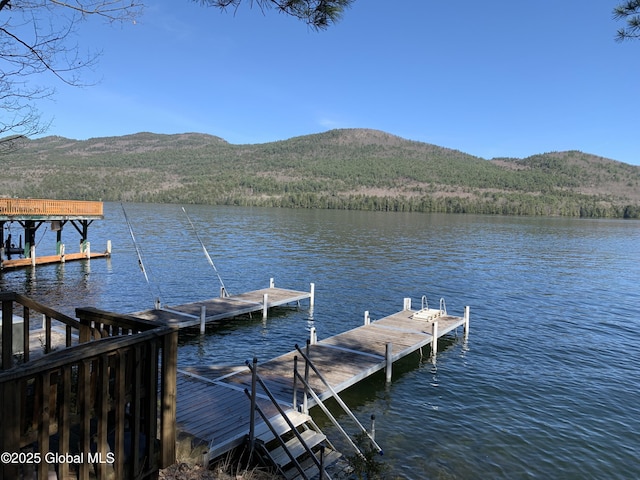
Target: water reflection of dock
[(212, 405)]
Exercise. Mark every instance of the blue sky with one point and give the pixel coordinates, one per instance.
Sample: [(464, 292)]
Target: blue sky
[(493, 79)]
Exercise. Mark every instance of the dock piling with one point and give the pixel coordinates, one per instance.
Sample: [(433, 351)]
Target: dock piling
[(203, 318), (367, 319), (434, 340), (389, 361), (312, 293), (313, 336), (466, 322), (407, 304), (372, 433), (265, 299)]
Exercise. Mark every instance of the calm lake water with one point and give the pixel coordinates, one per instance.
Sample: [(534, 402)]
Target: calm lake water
[(545, 387)]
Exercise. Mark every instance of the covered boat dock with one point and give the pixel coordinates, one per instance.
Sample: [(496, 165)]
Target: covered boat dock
[(31, 214)]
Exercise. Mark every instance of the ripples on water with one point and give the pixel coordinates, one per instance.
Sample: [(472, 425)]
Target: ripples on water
[(545, 387)]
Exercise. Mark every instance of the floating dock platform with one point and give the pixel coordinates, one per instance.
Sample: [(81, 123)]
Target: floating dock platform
[(212, 405), (226, 306)]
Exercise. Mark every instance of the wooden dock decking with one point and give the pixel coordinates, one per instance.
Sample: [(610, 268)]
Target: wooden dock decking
[(225, 307), (212, 405)]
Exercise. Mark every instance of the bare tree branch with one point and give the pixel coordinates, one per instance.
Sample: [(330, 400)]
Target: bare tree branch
[(37, 38)]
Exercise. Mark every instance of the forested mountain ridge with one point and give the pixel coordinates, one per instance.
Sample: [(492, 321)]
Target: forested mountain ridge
[(347, 168)]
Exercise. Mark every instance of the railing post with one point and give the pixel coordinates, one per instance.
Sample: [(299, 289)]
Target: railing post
[(252, 417), (7, 334), (322, 462), (295, 382), (305, 398), (169, 395)]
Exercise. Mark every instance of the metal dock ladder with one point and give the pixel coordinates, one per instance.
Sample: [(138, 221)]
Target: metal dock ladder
[(293, 444)]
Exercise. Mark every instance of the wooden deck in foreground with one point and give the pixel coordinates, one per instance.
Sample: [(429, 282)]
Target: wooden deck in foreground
[(212, 405), (225, 307)]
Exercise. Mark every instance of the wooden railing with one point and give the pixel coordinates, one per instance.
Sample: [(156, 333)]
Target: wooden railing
[(21, 206), (105, 405), (24, 353)]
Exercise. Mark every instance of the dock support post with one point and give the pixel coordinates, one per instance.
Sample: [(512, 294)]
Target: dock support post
[(407, 304), (372, 433), (434, 340), (312, 294), (272, 283), (252, 418), (32, 254), (108, 252), (62, 248), (367, 319), (466, 322), (265, 299), (313, 336), (203, 318), (388, 361), (88, 249)]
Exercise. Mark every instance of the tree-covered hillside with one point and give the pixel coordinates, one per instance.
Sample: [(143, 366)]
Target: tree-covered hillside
[(345, 169)]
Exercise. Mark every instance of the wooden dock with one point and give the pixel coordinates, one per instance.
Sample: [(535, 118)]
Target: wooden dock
[(226, 306), (213, 407), (47, 259)]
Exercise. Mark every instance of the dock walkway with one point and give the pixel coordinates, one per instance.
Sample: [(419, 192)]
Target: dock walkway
[(225, 307), (212, 405)]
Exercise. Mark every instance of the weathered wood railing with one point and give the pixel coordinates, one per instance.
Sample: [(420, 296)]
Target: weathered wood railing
[(28, 305), (106, 404)]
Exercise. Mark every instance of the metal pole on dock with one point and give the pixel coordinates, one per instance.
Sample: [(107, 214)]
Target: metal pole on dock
[(388, 361), (367, 320)]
